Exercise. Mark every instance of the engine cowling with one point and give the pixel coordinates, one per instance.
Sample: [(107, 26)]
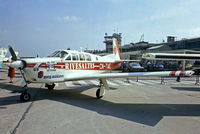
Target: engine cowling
[(19, 64)]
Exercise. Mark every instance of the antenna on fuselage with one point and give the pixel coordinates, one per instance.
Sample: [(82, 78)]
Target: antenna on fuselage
[(81, 49)]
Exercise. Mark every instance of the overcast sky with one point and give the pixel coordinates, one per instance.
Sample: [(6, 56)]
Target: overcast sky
[(43, 26)]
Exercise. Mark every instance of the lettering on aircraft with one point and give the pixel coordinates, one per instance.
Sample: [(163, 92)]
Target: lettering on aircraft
[(53, 76), (48, 70), (87, 66), (77, 66), (50, 65)]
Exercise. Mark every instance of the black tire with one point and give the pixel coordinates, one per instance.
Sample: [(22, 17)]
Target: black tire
[(98, 94), (50, 87), (24, 97)]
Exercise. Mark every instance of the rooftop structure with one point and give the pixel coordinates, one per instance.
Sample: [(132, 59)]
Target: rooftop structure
[(184, 44), (108, 41)]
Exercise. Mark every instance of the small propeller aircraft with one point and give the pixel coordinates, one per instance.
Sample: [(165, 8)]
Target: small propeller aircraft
[(68, 65)]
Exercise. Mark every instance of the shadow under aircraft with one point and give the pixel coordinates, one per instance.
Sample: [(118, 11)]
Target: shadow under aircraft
[(148, 114), (197, 89)]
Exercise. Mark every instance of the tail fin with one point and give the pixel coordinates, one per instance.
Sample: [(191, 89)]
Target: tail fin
[(116, 50)]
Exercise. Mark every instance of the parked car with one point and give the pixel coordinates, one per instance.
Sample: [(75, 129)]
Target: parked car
[(136, 67), (156, 67), (159, 67), (196, 67), (188, 66)]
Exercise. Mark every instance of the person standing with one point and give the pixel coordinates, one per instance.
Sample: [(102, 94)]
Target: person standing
[(179, 68), (125, 67), (11, 74), (148, 65)]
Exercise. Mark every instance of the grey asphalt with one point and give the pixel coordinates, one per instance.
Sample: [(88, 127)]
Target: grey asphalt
[(127, 108)]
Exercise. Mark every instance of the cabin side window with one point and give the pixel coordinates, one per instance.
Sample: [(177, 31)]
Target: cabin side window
[(82, 57), (68, 57), (74, 56), (60, 54), (87, 57), (63, 54)]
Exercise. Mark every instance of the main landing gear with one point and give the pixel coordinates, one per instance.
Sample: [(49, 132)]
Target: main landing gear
[(50, 87), (101, 90)]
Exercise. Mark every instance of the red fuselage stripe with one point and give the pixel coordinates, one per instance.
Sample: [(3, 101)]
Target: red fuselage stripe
[(30, 64), (79, 65)]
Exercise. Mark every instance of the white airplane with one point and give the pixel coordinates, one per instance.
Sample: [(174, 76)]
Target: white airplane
[(169, 56), (68, 65)]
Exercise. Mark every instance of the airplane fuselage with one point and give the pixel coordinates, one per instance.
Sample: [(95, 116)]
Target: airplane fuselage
[(52, 70)]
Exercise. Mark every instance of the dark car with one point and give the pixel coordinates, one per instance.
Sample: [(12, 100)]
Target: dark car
[(156, 67), (136, 67), (159, 67), (196, 67)]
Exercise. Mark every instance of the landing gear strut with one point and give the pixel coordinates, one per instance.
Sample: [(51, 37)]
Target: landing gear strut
[(25, 96), (100, 91)]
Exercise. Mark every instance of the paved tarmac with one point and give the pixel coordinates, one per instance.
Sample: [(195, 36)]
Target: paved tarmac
[(143, 107)]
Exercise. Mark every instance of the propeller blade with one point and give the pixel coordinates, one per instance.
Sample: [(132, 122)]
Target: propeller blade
[(12, 52)]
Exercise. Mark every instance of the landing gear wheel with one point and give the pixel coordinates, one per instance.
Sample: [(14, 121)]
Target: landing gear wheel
[(50, 87), (98, 94), (24, 97)]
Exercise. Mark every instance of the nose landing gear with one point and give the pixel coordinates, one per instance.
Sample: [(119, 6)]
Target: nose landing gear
[(25, 96)]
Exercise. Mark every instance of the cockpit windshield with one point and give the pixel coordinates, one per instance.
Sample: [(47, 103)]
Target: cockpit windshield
[(60, 54)]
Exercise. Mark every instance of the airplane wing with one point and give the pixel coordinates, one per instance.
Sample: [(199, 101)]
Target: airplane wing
[(127, 75), (127, 60), (168, 56)]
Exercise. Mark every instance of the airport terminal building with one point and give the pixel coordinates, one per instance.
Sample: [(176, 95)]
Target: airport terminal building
[(135, 50)]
